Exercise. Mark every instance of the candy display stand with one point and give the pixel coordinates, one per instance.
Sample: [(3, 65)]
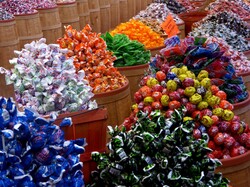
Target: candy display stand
[(28, 27), (83, 12), (237, 170), (105, 15), (92, 125), (117, 102), (242, 109), (69, 15), (50, 23), (134, 74)]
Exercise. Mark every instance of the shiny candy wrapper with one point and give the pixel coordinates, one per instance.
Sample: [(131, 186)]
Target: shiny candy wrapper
[(18, 7), (173, 5), (44, 80), (5, 15), (39, 160)]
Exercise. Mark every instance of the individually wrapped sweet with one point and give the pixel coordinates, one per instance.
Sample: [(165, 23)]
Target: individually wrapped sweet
[(173, 5), (46, 81), (66, 122), (17, 7), (5, 15)]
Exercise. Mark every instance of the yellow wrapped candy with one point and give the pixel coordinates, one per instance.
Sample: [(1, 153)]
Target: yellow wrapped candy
[(183, 69), (151, 82), (202, 75), (207, 121), (148, 100), (171, 85), (164, 100), (195, 99), (218, 112), (202, 105), (182, 77), (187, 118), (227, 115), (189, 91), (213, 100), (175, 70), (134, 106), (207, 95), (196, 83), (206, 83), (190, 74)]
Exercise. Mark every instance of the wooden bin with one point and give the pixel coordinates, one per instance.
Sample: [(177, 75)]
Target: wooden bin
[(28, 28), (155, 50), (134, 74), (69, 15), (131, 9), (115, 13), (137, 6), (95, 16), (237, 170), (181, 27), (105, 15), (191, 17), (144, 4), (91, 125), (124, 11), (242, 109), (149, 2), (83, 12), (118, 104), (50, 23)]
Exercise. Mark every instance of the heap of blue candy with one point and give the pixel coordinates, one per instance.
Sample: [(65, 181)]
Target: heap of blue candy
[(34, 152)]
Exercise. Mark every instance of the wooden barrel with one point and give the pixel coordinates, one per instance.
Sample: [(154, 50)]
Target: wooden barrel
[(137, 6), (105, 15), (28, 28), (69, 15), (92, 125), (50, 23), (247, 54), (181, 27), (118, 104), (131, 9), (144, 4), (155, 50), (83, 12), (237, 170), (191, 17), (115, 13), (134, 74), (149, 2), (95, 16), (242, 109), (8, 43), (124, 11), (246, 79)]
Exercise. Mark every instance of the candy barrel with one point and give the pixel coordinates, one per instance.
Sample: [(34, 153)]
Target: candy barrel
[(242, 109), (137, 6), (28, 27), (155, 50), (94, 13), (237, 170), (124, 11), (115, 13), (191, 17), (50, 23), (181, 27), (117, 102), (246, 79), (91, 125), (105, 15), (83, 12), (134, 75), (144, 4), (149, 1), (131, 9)]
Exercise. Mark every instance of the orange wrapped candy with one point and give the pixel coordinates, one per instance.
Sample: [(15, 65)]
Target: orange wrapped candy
[(136, 30), (91, 55)]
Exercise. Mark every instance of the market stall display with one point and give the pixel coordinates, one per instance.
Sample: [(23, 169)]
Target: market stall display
[(34, 151)]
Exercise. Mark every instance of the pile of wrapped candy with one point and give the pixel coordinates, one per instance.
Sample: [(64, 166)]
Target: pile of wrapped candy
[(5, 15), (197, 55), (154, 15), (18, 7), (90, 54), (136, 30), (228, 6), (37, 4), (45, 80), (173, 5), (238, 42), (238, 59), (230, 20), (33, 150)]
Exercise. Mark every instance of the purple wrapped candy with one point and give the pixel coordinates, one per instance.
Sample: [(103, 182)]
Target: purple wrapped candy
[(57, 137), (44, 156), (172, 41), (5, 15)]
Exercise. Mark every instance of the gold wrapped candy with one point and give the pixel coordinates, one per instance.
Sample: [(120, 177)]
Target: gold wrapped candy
[(195, 99)]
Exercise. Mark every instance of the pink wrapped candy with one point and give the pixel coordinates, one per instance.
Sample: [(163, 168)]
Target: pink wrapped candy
[(18, 7)]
